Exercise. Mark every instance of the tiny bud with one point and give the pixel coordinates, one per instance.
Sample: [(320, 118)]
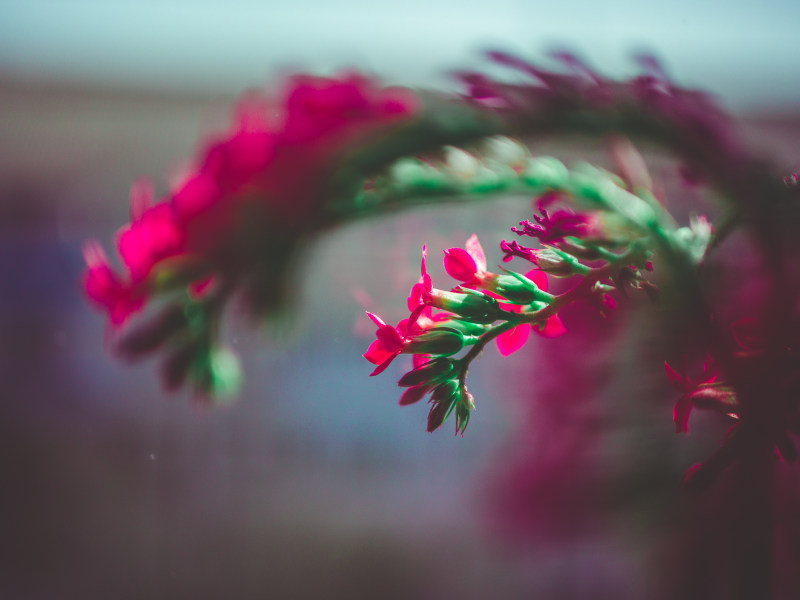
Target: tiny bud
[(555, 262), (462, 418)]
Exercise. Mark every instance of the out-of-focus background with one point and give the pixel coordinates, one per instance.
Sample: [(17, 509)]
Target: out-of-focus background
[(314, 482)]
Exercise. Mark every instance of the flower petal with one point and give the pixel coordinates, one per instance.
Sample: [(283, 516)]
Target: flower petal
[(459, 264), (382, 367), (512, 340), (475, 250), (553, 328), (376, 319), (376, 353), (539, 278)]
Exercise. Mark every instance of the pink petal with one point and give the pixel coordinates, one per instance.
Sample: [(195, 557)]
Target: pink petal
[(539, 278), (475, 250), (512, 340), (141, 196), (390, 338), (376, 319), (134, 250), (195, 195), (382, 367), (553, 328), (376, 353), (459, 264)]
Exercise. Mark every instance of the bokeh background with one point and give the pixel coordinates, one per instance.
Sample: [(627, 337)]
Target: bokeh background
[(314, 482)]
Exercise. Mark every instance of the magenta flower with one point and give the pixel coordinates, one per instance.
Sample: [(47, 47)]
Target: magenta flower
[(467, 264), (152, 235), (512, 340), (391, 341), (268, 171), (421, 291), (106, 289), (551, 228)]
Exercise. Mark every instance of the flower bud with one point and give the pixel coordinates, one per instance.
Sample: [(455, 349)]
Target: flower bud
[(444, 398), (468, 328), (413, 394), (518, 289), (432, 372), (555, 262), (471, 305), (438, 340), (462, 417), (154, 334)]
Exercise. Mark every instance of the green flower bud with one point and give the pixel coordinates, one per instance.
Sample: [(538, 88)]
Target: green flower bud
[(518, 289), (438, 340), (468, 328), (472, 306)]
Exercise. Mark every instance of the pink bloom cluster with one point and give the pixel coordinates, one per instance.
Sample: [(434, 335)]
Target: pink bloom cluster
[(269, 171), (468, 265), (465, 318)]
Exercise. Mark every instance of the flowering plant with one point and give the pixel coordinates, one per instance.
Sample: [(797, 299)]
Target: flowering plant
[(331, 151)]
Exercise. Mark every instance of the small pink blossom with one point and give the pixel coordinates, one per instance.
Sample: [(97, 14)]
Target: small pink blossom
[(513, 339), (551, 228), (420, 291), (390, 341), (106, 289), (467, 264)]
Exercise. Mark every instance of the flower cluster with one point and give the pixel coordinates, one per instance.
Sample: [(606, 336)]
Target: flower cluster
[(595, 229), (753, 355), (237, 213)]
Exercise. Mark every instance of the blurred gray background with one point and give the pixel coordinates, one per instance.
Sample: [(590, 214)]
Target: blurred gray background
[(314, 482)]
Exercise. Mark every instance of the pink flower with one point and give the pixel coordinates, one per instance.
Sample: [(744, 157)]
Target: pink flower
[(390, 340), (106, 289), (513, 339), (468, 264), (420, 291), (152, 235)]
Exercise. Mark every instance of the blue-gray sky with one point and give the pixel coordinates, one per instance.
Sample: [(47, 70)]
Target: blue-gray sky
[(746, 53)]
